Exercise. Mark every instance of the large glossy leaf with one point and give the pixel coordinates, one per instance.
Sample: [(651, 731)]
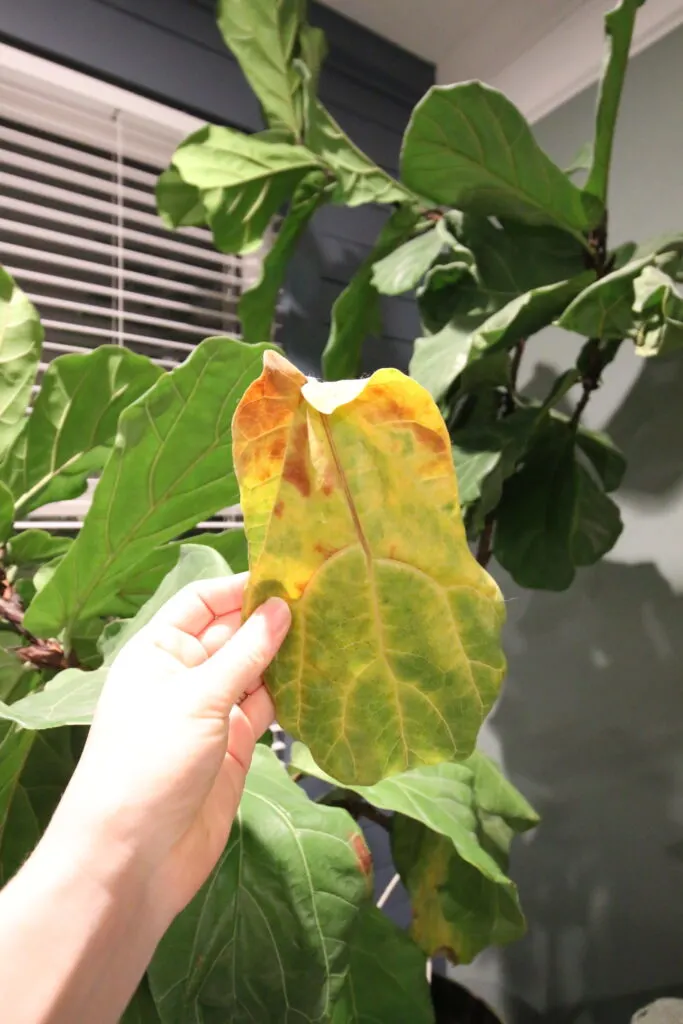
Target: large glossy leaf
[(243, 181), (357, 314), (598, 522), (619, 31), (359, 179), (607, 460), (21, 339), (467, 146), (178, 204), (604, 308), (404, 268), (351, 514), (73, 424), (267, 938), (459, 909), (535, 520), (258, 304), (171, 467), (262, 34), (439, 359), (71, 696), (387, 979), (530, 312), (34, 771), (139, 585)]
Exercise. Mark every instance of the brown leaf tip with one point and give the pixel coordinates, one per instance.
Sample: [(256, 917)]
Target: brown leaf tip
[(363, 855)]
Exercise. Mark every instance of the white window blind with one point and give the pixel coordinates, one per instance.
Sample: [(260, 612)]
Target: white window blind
[(79, 160)]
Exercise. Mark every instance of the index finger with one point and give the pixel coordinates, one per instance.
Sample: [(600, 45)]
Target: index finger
[(200, 603)]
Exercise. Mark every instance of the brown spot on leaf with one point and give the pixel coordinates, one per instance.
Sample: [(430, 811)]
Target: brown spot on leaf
[(278, 509), (296, 468), (363, 855), (325, 550), (427, 438), (277, 448)]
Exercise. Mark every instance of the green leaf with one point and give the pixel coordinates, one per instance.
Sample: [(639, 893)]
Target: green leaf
[(387, 979), (607, 460), (598, 522), (530, 312), (403, 268), (34, 772), (71, 696), (138, 586), (313, 46), (359, 179), (535, 520), (15, 675), (458, 907), (262, 35), (357, 314), (619, 31), (173, 456), (179, 205), (6, 512), (72, 428), (258, 304), (604, 308), (439, 359), (659, 306), (268, 934), (243, 181), (472, 466), (33, 547), (467, 146), (351, 514), (141, 1009), (21, 340), (582, 161)]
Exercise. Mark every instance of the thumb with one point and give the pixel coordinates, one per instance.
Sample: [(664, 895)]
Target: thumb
[(236, 668)]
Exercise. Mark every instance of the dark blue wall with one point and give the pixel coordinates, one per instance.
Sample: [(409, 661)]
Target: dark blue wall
[(171, 50)]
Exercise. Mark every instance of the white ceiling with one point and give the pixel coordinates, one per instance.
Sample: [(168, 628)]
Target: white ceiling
[(540, 52)]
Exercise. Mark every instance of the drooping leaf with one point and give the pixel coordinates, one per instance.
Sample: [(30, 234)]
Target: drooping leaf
[(73, 424), (582, 161), (34, 771), (404, 268), (619, 25), (607, 460), (438, 359), (32, 547), (138, 586), (258, 304), (598, 522), (6, 512), (357, 314), (359, 179), (178, 204), (535, 520), (243, 181), (467, 146), (605, 308), (173, 454), (21, 340), (351, 514), (269, 932), (459, 909), (387, 979), (71, 696)]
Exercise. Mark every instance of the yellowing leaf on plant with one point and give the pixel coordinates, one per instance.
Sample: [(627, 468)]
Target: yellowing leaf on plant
[(351, 513)]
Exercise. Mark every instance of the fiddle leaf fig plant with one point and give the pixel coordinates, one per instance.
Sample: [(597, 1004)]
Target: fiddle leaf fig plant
[(372, 506)]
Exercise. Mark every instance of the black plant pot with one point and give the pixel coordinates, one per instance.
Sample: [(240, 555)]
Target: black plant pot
[(453, 1004)]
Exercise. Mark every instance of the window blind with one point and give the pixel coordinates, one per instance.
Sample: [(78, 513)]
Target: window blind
[(80, 233)]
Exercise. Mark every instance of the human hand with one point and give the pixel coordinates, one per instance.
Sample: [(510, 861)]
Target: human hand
[(163, 769)]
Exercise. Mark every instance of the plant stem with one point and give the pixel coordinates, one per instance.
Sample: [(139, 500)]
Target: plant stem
[(359, 808), (39, 653), (485, 546)]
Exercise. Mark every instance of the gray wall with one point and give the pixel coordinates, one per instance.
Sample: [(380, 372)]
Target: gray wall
[(590, 725), (171, 50)]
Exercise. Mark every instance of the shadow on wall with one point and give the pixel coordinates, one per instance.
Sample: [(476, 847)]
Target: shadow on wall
[(590, 726)]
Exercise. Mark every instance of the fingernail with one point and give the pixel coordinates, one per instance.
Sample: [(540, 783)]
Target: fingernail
[(278, 614)]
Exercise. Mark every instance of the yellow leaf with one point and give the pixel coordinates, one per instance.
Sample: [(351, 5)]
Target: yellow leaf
[(351, 513)]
